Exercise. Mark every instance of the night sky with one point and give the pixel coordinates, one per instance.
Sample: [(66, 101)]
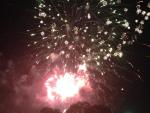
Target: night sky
[(17, 16)]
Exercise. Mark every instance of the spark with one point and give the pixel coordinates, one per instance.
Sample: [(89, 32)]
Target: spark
[(83, 67)]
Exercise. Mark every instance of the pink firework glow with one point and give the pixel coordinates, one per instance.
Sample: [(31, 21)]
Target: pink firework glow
[(66, 88)]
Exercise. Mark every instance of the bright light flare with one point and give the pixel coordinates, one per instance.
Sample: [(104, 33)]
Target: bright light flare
[(69, 86), (66, 86)]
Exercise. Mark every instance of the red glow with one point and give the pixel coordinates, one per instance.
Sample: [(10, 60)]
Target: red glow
[(64, 87)]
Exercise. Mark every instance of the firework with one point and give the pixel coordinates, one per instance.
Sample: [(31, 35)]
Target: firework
[(64, 89), (74, 34)]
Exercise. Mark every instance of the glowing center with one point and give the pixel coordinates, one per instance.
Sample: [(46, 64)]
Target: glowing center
[(63, 87)]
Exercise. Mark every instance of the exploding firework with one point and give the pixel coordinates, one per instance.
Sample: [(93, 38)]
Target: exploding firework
[(70, 33), (67, 88)]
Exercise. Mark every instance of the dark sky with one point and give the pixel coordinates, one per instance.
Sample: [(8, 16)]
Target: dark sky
[(17, 16)]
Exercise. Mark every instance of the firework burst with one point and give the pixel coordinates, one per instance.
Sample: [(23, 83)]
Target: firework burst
[(72, 34)]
